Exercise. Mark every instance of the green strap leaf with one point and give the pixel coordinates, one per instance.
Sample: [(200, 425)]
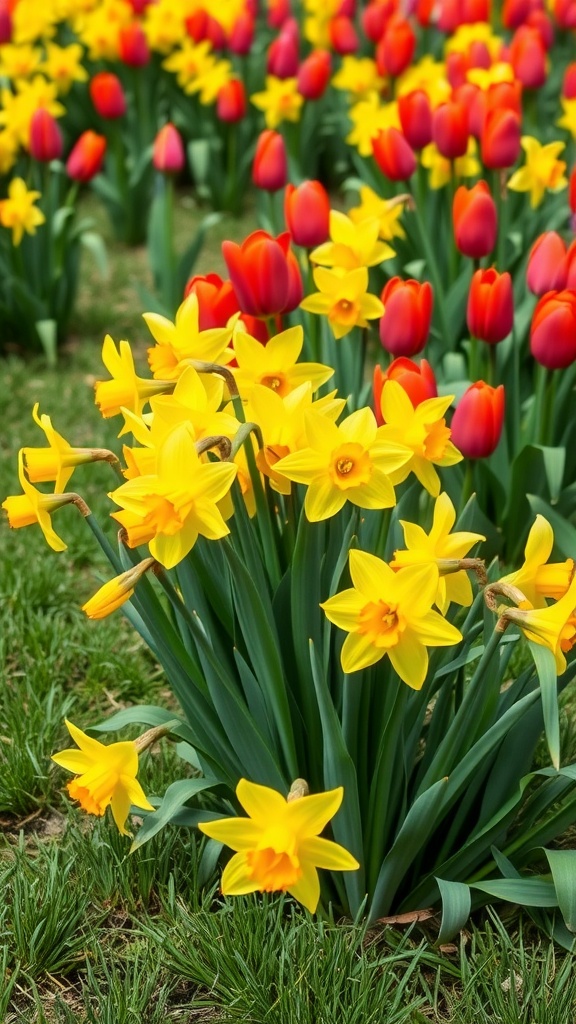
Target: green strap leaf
[(174, 799), (456, 906), (529, 892), (546, 669), (563, 867)]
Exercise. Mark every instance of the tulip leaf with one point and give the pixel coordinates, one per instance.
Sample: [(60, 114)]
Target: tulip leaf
[(546, 669), (456, 905), (173, 800), (563, 867)]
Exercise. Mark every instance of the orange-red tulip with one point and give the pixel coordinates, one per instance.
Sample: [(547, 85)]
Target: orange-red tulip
[(87, 157), (500, 138), (168, 154), (418, 381), (394, 155), (553, 330), (490, 312), (527, 56), (405, 325), (45, 136), (270, 166), (231, 104), (546, 269), (132, 45), (396, 47), (265, 274), (307, 213), (477, 423), (415, 113), (343, 35), (314, 74), (450, 129), (475, 220), (107, 95)]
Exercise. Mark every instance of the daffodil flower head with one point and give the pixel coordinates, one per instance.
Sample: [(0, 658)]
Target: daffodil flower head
[(386, 211), (279, 847), (343, 298), (35, 507), (390, 613), (275, 365), (422, 429), (542, 170), (280, 100), (536, 578), (18, 211), (553, 627), (116, 592), (125, 389), (349, 462), (441, 548), (183, 340), (353, 244), (107, 776), (57, 462)]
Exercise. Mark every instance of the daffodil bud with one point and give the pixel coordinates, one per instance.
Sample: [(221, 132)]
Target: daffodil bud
[(116, 592)]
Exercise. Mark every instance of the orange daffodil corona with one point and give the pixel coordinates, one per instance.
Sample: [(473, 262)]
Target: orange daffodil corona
[(278, 846)]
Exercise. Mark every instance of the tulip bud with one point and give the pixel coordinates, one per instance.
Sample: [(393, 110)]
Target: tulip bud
[(45, 137), (505, 95), (490, 312), (396, 48), (217, 301), (5, 25), (86, 157), (282, 59), (450, 129), (270, 167), (515, 12), (107, 95), (553, 330), (541, 22), (314, 74), (231, 104), (202, 27), (374, 18), (546, 269), (418, 382), (307, 213), (475, 220), (457, 68), (527, 56), (242, 34), (343, 36), (278, 12), (168, 153), (393, 154), (405, 325), (478, 420), (500, 139), (565, 13), (415, 114), (132, 45), (473, 99)]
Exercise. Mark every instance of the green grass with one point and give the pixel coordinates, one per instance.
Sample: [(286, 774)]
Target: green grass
[(92, 935)]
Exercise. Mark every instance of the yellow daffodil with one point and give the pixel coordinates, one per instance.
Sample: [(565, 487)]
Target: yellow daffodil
[(196, 399), (535, 578), (358, 76), (107, 776), (443, 549), (126, 389), (422, 429), (349, 462), (343, 298), (8, 150), (116, 592), (352, 244), (478, 32), (279, 101), (32, 21), (34, 507), (98, 30), (542, 170), (282, 423), (19, 61), (58, 462), (209, 84), (278, 846), (63, 65), (369, 117), (501, 71), (386, 211), (164, 25), (440, 168), (171, 508), (275, 364), (387, 612), (429, 75), (568, 119), (18, 212), (190, 62), (553, 627), (183, 340), (318, 15), (16, 109)]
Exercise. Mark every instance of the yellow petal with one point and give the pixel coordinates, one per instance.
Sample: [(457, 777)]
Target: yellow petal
[(307, 889), (309, 815), (260, 802), (236, 877), (323, 853)]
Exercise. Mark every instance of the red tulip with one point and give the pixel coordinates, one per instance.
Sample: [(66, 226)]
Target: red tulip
[(418, 382), (490, 312), (565, 13), (515, 12), (283, 57), (343, 35), (416, 118), (5, 25), (45, 137), (202, 27), (394, 155), (314, 74), (231, 104), (569, 82), (375, 17), (553, 330), (132, 45), (450, 129), (307, 213), (270, 166), (265, 274), (477, 423), (217, 301), (457, 68), (541, 22), (242, 34), (500, 138), (278, 12), (396, 47), (405, 325), (527, 56), (546, 269), (506, 95), (168, 154), (475, 221), (87, 156), (572, 197), (474, 99), (107, 95)]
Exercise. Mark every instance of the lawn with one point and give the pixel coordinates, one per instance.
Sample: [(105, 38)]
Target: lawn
[(92, 934)]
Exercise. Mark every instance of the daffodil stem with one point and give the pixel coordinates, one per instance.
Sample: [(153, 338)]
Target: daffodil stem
[(380, 791), (104, 543)]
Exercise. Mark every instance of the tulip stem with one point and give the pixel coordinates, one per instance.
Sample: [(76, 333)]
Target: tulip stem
[(431, 263), (545, 397)]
